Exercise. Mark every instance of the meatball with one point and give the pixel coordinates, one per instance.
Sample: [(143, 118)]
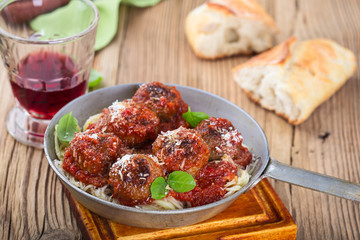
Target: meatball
[(223, 138), (131, 178), (181, 149), (144, 148), (210, 182), (173, 123), (91, 154), (133, 123), (165, 101)]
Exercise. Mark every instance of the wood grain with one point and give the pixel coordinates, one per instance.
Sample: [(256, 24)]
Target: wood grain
[(257, 214), (151, 46), (336, 155)]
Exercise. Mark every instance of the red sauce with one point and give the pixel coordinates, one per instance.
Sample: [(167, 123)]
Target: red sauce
[(244, 157), (210, 183), (90, 156)]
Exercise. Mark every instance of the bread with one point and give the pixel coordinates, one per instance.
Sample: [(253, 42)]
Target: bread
[(295, 77), (221, 28)]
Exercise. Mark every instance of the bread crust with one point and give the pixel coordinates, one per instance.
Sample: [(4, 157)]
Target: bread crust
[(222, 15), (244, 9), (311, 72), (278, 55)]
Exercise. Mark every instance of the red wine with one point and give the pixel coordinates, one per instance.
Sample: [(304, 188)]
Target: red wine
[(46, 81)]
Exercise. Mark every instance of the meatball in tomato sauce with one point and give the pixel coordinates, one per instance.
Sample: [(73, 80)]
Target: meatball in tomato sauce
[(223, 138), (131, 178), (181, 149), (133, 123), (90, 156), (165, 101), (210, 182)]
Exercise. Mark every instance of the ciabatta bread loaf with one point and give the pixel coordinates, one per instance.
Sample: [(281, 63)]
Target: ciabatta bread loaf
[(220, 28), (295, 77)]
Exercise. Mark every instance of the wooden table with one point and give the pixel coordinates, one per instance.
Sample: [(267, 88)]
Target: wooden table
[(151, 46)]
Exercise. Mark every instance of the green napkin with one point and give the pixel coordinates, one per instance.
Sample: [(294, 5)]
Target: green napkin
[(60, 22), (141, 3), (49, 26), (108, 22)]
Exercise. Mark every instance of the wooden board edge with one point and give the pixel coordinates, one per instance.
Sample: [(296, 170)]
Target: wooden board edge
[(281, 223), (85, 218)]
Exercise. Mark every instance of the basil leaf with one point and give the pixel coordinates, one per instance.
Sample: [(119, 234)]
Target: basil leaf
[(158, 188), (194, 118), (67, 127), (95, 78), (181, 181)]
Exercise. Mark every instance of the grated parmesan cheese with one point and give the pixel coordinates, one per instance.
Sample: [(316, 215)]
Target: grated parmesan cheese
[(122, 163), (116, 108), (94, 136)]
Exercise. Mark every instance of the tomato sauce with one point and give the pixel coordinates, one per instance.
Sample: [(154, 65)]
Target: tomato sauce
[(210, 183), (90, 156)]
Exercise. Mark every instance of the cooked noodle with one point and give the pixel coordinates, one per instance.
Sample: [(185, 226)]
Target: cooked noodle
[(167, 203), (91, 120), (237, 183)]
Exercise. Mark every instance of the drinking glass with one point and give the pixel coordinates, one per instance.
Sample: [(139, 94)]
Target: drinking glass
[(48, 65)]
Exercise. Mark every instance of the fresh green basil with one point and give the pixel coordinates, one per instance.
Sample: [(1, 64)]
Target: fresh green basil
[(95, 78), (194, 118), (67, 127), (181, 181), (158, 188)]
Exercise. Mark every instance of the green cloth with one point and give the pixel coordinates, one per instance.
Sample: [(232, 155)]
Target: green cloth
[(49, 26), (60, 22), (108, 22), (141, 3)]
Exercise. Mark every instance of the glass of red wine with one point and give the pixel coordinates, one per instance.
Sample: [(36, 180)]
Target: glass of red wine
[(47, 47)]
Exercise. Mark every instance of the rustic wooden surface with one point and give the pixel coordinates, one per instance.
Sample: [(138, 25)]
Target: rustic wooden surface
[(257, 214), (151, 45)]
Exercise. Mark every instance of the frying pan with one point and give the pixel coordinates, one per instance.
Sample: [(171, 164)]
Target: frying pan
[(214, 106)]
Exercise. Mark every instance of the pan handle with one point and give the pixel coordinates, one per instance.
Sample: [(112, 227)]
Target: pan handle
[(312, 180)]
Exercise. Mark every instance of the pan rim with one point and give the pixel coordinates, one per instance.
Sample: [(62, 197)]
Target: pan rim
[(254, 179)]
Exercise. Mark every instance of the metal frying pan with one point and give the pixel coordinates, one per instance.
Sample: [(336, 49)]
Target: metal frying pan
[(215, 106)]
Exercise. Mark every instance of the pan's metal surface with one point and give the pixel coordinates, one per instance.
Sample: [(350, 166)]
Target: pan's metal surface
[(315, 181), (215, 106), (199, 100)]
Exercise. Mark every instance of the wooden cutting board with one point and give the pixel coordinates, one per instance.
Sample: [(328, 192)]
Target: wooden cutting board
[(257, 214)]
